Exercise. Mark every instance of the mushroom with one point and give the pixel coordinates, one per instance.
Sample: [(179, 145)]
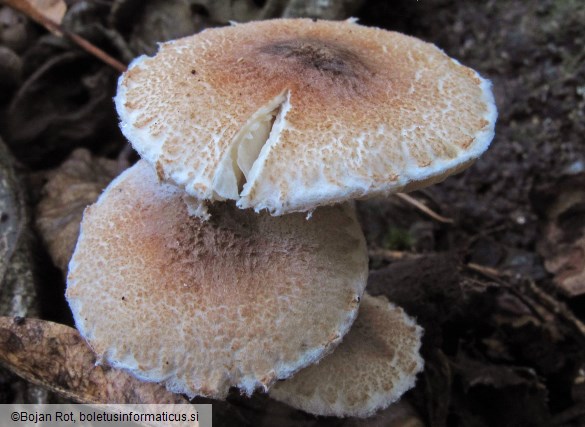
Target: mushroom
[(240, 300), (174, 284), (374, 365), (290, 114)]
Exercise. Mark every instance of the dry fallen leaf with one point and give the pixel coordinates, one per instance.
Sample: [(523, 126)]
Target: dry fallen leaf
[(66, 103), (10, 72), (56, 357), (568, 266), (563, 241), (244, 11), (146, 24), (75, 184), (50, 9)]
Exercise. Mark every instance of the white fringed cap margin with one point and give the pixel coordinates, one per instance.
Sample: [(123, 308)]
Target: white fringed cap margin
[(290, 114), (240, 300), (376, 363)]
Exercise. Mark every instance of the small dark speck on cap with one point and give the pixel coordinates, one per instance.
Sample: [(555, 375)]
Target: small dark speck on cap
[(193, 72)]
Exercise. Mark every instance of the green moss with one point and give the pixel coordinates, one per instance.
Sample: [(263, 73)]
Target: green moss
[(397, 239)]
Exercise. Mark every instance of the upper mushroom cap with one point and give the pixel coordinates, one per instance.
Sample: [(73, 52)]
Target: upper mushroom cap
[(358, 112), (374, 365), (240, 300)]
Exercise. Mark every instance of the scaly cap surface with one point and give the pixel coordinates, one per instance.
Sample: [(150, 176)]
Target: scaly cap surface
[(291, 114), (240, 300), (374, 365)]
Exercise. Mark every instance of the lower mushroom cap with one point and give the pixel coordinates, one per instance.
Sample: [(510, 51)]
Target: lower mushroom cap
[(240, 300), (375, 364)]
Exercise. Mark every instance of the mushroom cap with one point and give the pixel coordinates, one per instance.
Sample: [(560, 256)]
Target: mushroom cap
[(374, 365), (291, 114), (240, 300)]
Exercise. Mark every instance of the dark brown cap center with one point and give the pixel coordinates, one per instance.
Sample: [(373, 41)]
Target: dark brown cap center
[(317, 55)]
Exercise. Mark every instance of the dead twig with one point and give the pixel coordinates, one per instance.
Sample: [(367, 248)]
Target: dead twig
[(423, 208), (489, 272), (496, 276), (558, 308), (543, 298), (26, 9), (389, 255)]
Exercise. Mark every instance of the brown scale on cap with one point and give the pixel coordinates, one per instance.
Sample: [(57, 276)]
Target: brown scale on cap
[(241, 300)]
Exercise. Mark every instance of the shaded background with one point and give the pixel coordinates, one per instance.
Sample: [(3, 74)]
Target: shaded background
[(499, 291)]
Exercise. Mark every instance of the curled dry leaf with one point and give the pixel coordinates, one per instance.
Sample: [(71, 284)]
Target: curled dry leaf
[(503, 395), (563, 241), (16, 32), (145, 24), (328, 9), (56, 357), (53, 10), (244, 11), (10, 72), (74, 185), (65, 103)]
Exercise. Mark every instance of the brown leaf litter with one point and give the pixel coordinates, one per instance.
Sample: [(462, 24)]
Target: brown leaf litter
[(56, 357)]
